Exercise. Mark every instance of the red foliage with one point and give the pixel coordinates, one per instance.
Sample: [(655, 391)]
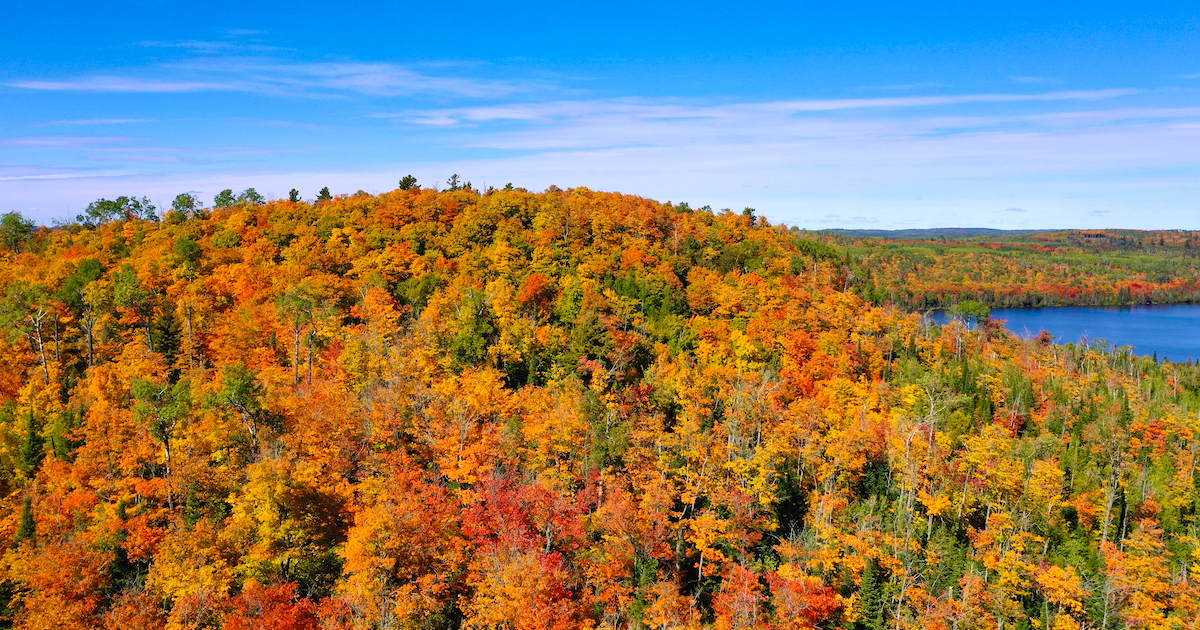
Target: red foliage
[(272, 607), (802, 602)]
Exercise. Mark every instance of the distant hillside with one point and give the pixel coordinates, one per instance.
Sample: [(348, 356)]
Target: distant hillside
[(920, 269), (957, 232)]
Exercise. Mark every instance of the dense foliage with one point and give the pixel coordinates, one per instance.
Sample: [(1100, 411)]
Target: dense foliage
[(1065, 267), (556, 410)]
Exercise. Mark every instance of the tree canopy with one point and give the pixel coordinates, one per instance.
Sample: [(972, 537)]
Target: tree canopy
[(567, 409)]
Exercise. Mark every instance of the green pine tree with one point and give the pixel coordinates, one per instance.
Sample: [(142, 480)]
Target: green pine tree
[(31, 449), (872, 597), (26, 531)]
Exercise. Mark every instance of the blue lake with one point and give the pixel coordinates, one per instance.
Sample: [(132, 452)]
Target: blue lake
[(1171, 330)]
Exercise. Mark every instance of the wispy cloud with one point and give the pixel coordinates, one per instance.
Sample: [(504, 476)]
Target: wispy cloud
[(13, 173), (43, 176), (267, 75), (99, 121), (121, 154), (658, 110), (905, 86), (935, 156), (871, 158), (120, 84), (64, 143), (211, 47)]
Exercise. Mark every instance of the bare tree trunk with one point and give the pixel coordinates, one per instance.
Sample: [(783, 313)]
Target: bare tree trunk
[(191, 335), (89, 322), (41, 345), (170, 490), (296, 359), (1108, 505)]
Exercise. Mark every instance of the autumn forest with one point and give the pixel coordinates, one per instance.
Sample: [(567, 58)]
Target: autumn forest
[(573, 409)]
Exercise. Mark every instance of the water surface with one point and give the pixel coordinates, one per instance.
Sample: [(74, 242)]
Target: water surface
[(1170, 330)]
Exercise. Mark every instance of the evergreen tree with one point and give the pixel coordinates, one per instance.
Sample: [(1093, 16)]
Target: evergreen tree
[(26, 530), (871, 596), (31, 448)]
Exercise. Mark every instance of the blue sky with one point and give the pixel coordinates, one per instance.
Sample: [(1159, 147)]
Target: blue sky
[(1014, 115)]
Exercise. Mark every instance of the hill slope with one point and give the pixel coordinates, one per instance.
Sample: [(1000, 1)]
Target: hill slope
[(566, 409)]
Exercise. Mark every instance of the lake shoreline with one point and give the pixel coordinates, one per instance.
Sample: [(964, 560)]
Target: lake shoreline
[(1165, 331)]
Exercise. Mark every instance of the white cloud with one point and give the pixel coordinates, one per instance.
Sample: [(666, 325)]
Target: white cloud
[(205, 46), (905, 86), (277, 77), (99, 121), (63, 143), (890, 161), (645, 109), (120, 84)]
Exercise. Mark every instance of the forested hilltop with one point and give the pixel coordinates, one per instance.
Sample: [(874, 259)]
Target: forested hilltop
[(915, 270), (566, 409)]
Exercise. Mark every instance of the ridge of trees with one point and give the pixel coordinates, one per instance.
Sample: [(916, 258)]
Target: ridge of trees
[(1026, 269), (567, 409)]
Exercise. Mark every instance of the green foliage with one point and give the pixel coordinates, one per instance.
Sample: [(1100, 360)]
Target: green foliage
[(186, 204), (567, 399), (27, 529), (32, 450), (125, 208), (416, 291), (408, 182), (923, 270), (744, 256), (130, 293), (475, 330), (453, 184), (189, 251), (224, 199), (242, 394), (871, 596), (240, 391), (817, 250), (250, 197), (70, 292), (226, 239), (161, 406), (972, 312), (15, 230)]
